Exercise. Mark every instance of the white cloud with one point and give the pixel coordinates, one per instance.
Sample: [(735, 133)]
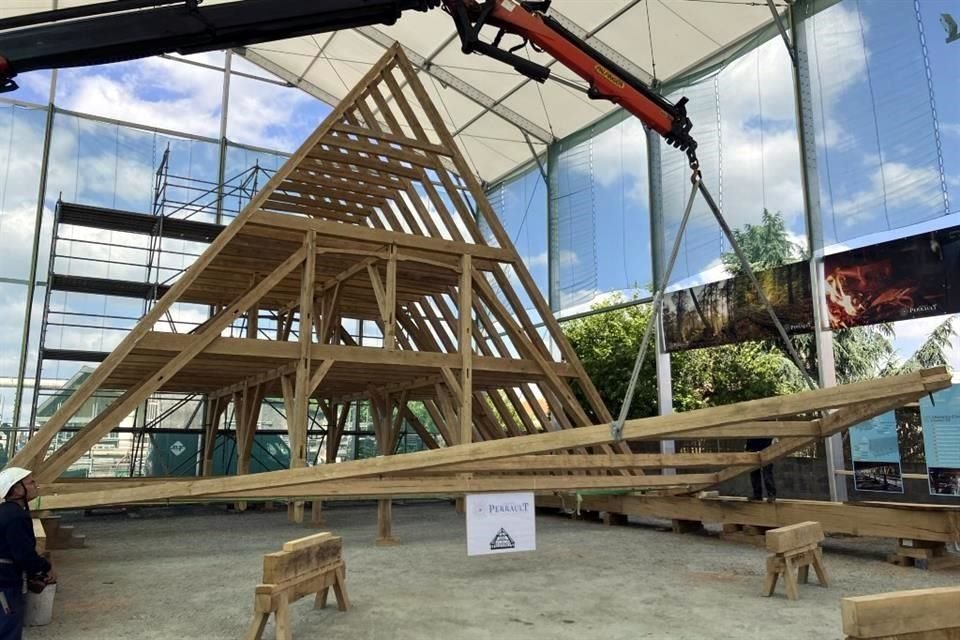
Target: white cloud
[(566, 258), (894, 185), (182, 97), (949, 128), (622, 151)]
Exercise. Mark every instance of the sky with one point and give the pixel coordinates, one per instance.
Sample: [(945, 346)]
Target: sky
[(877, 155)]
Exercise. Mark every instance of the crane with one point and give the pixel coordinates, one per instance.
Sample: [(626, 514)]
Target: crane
[(127, 29)]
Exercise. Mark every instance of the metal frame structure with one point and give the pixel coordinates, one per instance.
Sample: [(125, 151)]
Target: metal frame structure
[(802, 94)]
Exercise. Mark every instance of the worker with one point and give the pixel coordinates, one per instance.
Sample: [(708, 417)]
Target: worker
[(762, 478), (20, 564)]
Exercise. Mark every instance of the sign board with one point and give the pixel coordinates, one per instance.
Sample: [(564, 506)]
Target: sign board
[(914, 277), (500, 523), (941, 440), (876, 455)]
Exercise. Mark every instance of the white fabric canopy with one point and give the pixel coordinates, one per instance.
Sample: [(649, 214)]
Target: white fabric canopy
[(492, 110)]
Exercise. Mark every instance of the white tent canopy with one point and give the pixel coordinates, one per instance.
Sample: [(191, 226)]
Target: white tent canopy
[(495, 113)]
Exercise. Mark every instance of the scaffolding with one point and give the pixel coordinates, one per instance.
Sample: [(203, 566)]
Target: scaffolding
[(106, 269)]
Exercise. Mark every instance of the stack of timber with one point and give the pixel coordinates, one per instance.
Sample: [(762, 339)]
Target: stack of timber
[(60, 536), (377, 217), (922, 614), (924, 554), (747, 520)]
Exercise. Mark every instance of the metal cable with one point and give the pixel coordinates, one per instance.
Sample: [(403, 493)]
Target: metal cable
[(616, 427), (748, 270)]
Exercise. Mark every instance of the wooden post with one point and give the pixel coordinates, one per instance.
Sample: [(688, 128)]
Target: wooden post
[(297, 423), (382, 425), (465, 343), (217, 408), (390, 303)]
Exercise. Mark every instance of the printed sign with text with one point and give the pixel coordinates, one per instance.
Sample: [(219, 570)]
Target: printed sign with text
[(500, 523)]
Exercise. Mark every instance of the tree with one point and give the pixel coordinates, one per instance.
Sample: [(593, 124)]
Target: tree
[(607, 344), (766, 245)]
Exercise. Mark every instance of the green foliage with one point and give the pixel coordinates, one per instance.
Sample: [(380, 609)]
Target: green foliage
[(607, 344), (765, 245), (933, 352)]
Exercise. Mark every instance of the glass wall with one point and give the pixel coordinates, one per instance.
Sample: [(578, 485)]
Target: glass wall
[(884, 98), (744, 119)]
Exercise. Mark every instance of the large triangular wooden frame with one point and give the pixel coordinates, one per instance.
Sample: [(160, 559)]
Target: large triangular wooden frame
[(378, 217)]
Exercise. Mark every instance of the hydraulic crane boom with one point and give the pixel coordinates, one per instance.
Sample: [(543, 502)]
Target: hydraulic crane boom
[(607, 80), (127, 29)]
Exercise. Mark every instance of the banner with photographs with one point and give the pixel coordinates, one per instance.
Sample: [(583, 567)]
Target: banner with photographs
[(876, 455), (730, 311), (940, 416), (903, 279)]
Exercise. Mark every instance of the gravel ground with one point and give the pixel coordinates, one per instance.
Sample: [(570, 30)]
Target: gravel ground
[(190, 573)]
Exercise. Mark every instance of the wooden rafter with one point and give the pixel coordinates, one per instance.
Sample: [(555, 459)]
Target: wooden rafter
[(377, 219)]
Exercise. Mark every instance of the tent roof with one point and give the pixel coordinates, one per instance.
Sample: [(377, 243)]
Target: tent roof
[(492, 110)]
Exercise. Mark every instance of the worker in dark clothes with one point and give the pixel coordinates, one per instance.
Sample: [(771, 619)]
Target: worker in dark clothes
[(762, 479), (19, 559)]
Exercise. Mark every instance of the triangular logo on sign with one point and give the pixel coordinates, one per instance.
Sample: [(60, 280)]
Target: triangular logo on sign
[(502, 541)]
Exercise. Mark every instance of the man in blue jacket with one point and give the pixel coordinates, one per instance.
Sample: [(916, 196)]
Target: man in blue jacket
[(18, 550)]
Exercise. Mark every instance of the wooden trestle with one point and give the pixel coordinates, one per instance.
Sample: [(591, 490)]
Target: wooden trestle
[(378, 217)]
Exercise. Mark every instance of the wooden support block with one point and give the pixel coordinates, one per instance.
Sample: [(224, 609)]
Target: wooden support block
[(283, 565), (282, 617), (295, 512), (922, 553), (686, 526), (922, 611), (385, 537), (728, 527), (753, 530), (794, 536), (255, 630), (40, 535), (316, 514), (587, 515), (794, 565), (612, 519)]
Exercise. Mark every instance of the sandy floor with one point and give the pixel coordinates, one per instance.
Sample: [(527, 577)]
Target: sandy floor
[(190, 574)]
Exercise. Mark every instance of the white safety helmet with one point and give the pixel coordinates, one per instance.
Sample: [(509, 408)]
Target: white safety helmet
[(9, 477)]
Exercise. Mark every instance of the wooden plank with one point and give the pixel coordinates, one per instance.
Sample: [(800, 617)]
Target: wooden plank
[(794, 536), (40, 534), (465, 345), (307, 541), (169, 344), (597, 461), (919, 522), (451, 485), (390, 303), (195, 344), (380, 236), (842, 396), (901, 612), (282, 566)]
